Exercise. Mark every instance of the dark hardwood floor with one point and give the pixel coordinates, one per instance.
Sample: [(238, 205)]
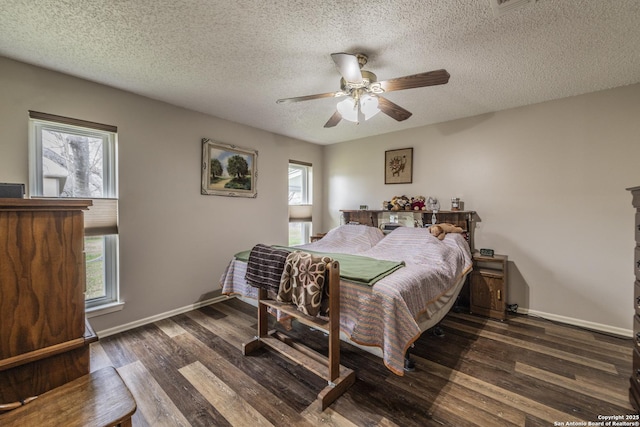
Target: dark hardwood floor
[(189, 370)]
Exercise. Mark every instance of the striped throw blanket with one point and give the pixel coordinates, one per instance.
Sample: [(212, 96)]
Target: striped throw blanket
[(264, 268)]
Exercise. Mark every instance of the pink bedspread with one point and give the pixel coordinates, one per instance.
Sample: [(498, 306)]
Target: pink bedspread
[(385, 315)]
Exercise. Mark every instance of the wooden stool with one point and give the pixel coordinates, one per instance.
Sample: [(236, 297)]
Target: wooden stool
[(99, 399)]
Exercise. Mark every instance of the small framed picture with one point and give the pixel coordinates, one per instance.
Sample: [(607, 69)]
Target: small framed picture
[(398, 166), (364, 207), (228, 170)]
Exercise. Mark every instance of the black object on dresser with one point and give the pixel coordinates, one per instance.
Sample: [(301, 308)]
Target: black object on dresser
[(11, 190), (634, 391)]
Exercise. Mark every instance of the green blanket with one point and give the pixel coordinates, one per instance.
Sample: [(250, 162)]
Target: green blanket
[(354, 268)]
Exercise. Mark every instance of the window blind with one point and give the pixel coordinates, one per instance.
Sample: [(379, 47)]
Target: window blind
[(102, 218), (300, 213), (36, 115)]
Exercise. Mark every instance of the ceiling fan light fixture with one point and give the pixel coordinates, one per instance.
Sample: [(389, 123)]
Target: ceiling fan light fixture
[(369, 106), (353, 111), (348, 109)]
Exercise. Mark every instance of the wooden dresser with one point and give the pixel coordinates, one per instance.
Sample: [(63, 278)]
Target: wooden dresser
[(634, 391), (44, 337)]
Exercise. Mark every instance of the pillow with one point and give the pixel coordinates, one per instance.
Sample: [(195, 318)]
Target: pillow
[(348, 238), (403, 244), (408, 235), (415, 246)]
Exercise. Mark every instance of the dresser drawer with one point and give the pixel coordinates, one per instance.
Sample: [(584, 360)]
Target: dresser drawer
[(636, 334), (635, 192), (636, 263), (636, 366), (636, 297), (638, 228)]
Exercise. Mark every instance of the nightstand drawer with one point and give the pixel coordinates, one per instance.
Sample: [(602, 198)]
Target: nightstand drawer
[(496, 274), (638, 228), (636, 297), (636, 366)]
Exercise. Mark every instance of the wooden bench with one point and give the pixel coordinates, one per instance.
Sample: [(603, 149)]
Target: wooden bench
[(99, 399), (339, 378)]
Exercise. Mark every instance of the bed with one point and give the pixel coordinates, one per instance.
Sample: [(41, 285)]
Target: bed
[(388, 316)]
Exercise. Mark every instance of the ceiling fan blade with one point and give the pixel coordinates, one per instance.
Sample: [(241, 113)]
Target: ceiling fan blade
[(309, 97), (393, 110), (334, 120), (430, 78), (348, 66)]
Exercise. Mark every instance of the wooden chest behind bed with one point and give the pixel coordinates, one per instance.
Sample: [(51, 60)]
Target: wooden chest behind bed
[(634, 391)]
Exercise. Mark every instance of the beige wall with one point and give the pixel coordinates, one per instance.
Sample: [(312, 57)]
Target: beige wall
[(548, 182), (174, 242)]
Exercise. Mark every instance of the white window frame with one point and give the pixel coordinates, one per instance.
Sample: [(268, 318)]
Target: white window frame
[(307, 178), (112, 291), (111, 300), (306, 196)]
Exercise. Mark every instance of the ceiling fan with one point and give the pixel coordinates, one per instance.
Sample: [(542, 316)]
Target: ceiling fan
[(363, 90)]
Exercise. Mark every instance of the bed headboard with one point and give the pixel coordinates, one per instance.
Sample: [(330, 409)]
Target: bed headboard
[(374, 218)]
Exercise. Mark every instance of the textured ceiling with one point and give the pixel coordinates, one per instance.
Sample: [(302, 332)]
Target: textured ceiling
[(233, 59)]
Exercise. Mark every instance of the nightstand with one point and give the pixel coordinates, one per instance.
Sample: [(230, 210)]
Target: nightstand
[(488, 286), (317, 237)]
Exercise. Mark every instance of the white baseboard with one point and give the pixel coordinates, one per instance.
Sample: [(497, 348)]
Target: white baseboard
[(626, 333), (121, 328)]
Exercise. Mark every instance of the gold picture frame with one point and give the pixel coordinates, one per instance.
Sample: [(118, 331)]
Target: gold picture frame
[(228, 170), (398, 166)]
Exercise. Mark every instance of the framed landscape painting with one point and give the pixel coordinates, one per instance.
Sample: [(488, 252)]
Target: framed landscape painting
[(228, 170)]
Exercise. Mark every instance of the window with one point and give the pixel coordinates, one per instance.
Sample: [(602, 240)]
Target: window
[(300, 197), (75, 158)]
